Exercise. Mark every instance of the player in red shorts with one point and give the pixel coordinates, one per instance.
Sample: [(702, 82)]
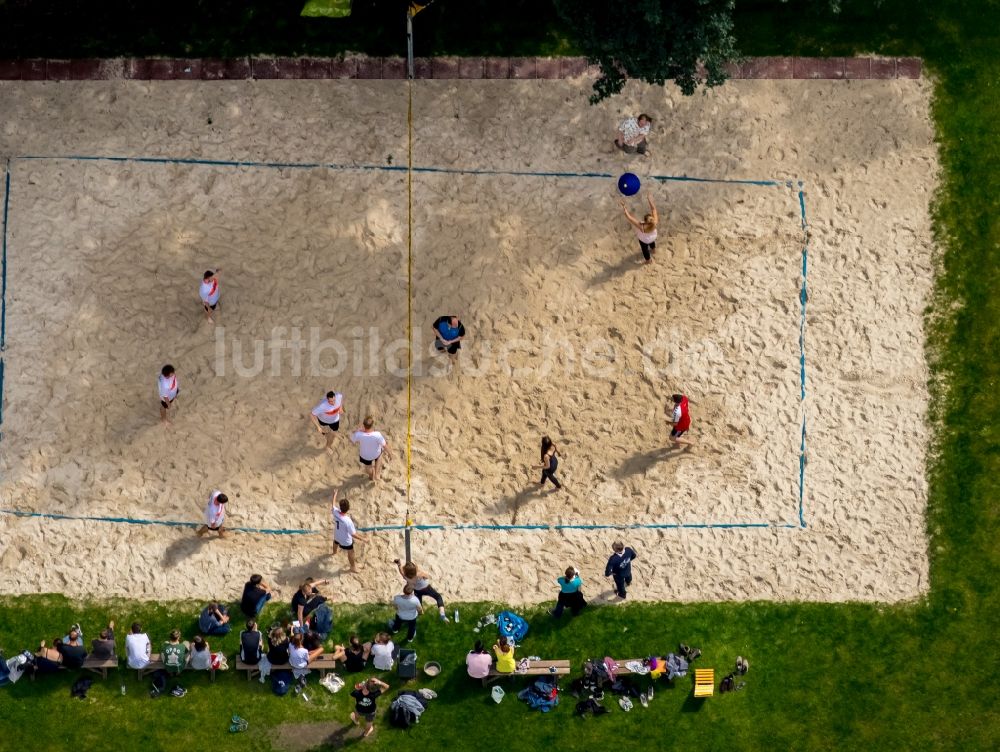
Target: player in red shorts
[(680, 418)]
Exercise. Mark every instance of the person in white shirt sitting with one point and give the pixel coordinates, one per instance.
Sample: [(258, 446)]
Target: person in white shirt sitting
[(137, 647)]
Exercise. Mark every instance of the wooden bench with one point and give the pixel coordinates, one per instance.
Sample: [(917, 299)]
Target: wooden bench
[(155, 664), (322, 664), (100, 665), (535, 668)]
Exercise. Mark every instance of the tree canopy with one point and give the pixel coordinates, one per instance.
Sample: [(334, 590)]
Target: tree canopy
[(686, 41)]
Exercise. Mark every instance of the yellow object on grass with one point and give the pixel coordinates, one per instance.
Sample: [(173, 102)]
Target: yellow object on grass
[(327, 9)]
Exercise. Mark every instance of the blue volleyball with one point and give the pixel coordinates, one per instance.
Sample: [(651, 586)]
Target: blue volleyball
[(629, 184)]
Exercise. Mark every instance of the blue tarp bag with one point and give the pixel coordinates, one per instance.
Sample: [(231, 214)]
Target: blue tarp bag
[(512, 626)]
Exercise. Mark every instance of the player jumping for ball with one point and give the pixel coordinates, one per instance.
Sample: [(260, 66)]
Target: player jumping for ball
[(680, 417), (645, 230)]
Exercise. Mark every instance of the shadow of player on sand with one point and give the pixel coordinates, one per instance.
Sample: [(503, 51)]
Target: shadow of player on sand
[(184, 547), (642, 462)]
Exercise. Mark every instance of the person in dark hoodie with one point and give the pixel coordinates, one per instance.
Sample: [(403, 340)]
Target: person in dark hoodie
[(619, 567)]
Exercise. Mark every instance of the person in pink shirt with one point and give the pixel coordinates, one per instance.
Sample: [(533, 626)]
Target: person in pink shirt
[(215, 515), (478, 662)]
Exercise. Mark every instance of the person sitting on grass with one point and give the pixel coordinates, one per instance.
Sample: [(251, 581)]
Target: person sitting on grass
[(365, 694), (383, 652), (214, 619), (201, 654), (504, 652), (256, 593), (49, 659), (299, 656), (174, 653), (478, 662), (103, 646), (309, 605)]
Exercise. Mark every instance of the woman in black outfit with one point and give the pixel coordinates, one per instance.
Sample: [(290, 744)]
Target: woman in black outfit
[(550, 462)]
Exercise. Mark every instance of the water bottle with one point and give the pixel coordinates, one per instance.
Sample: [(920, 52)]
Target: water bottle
[(456, 616), (123, 687)]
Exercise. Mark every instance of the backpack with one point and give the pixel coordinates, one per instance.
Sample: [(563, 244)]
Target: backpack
[(159, 682), (281, 682), (727, 684), (512, 626)]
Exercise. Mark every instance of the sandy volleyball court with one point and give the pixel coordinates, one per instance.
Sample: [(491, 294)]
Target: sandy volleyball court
[(569, 335)]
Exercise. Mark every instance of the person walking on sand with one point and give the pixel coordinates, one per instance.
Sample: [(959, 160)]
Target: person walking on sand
[(168, 392), (645, 231), (550, 463), (344, 531), (448, 334), (680, 419), (631, 136), (215, 514), (209, 292), (327, 414), (619, 567), (372, 447)]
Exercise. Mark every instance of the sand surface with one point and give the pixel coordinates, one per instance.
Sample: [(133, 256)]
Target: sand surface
[(568, 335)]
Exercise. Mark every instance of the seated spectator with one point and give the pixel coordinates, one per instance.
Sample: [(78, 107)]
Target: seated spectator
[(255, 594), (49, 658), (478, 662), (504, 652), (277, 651), (73, 654), (354, 656), (174, 653), (311, 609), (104, 645), (137, 647), (299, 656), (448, 334), (74, 636), (251, 644), (383, 652), (214, 619), (201, 654)]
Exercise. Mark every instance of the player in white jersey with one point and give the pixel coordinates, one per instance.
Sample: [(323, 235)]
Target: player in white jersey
[(373, 449), (345, 534), (168, 390), (327, 414), (209, 292)]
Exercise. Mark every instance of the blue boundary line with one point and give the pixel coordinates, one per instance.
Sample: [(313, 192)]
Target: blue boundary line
[(390, 168), (426, 170), (803, 298)]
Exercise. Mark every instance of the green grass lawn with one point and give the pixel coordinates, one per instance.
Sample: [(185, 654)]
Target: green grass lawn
[(823, 677)]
